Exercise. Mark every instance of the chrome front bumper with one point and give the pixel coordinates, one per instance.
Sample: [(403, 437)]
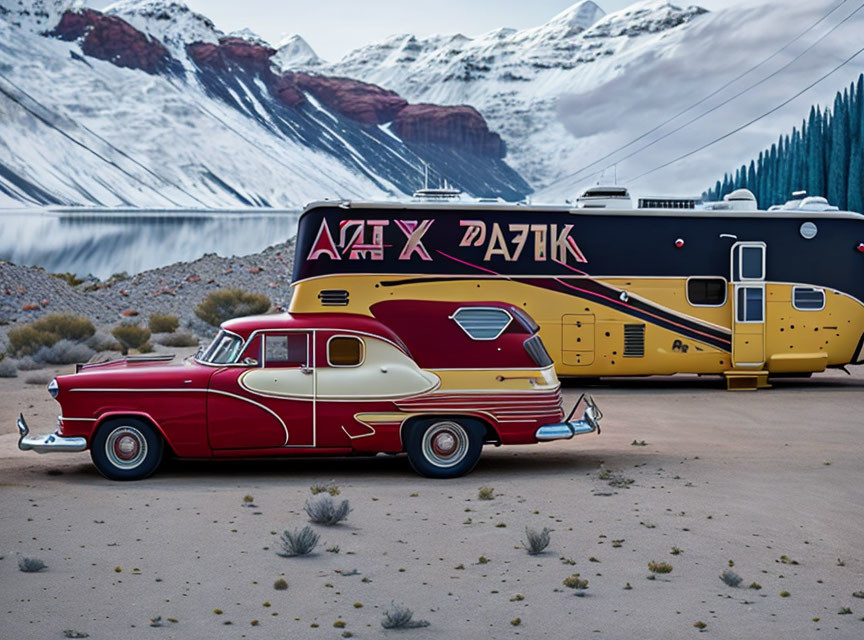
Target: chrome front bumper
[(589, 423), (46, 443)]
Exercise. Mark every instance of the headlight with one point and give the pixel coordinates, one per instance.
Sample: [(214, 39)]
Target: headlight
[(53, 388)]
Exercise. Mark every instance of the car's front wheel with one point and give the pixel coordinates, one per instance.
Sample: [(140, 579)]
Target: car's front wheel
[(444, 447), (126, 449)]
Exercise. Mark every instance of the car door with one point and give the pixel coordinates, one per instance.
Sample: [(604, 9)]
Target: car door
[(269, 404)]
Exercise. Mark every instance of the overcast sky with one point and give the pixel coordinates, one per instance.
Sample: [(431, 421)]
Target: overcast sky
[(335, 27)]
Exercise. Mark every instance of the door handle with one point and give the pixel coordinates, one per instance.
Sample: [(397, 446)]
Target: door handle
[(306, 370)]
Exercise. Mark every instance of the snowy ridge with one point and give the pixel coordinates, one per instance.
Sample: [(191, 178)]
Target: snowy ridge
[(515, 77), (207, 125)]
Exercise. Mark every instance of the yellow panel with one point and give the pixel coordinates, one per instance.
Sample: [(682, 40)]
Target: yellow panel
[(577, 339)]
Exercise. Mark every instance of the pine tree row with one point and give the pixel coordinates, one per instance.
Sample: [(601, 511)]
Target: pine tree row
[(823, 158)]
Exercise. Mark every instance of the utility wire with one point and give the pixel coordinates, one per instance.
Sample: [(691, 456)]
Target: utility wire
[(752, 122), (737, 95), (103, 140), (575, 174)]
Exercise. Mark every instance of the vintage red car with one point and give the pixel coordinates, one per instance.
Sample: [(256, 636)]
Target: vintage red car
[(436, 380)]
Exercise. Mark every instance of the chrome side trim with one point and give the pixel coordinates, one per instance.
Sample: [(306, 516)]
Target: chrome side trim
[(48, 443)]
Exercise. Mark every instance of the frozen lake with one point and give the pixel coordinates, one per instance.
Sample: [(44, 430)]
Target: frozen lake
[(110, 241)]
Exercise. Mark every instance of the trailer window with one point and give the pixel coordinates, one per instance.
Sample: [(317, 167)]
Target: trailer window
[(344, 351), (706, 292), (752, 262), (808, 299), (482, 323)]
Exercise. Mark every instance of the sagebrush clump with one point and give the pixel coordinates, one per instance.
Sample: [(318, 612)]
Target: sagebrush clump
[(298, 542), (163, 323), (47, 331), (536, 541), (131, 336), (323, 509), (400, 617), (731, 578), (486, 493), (30, 565), (226, 304), (178, 340), (7, 368), (660, 567)]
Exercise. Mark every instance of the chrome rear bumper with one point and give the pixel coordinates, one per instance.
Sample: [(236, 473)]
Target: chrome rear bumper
[(46, 443), (589, 423)]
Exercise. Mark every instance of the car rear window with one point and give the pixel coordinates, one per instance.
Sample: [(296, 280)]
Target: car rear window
[(344, 351)]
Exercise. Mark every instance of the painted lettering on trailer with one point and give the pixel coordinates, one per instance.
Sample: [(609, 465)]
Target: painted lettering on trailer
[(364, 240)]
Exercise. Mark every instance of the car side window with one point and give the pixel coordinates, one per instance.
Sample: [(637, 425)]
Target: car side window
[(344, 351), (286, 350)]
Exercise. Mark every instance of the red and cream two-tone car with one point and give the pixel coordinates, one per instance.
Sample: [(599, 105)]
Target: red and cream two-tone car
[(436, 380)]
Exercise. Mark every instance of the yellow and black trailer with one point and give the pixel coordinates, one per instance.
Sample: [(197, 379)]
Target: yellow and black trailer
[(744, 294)]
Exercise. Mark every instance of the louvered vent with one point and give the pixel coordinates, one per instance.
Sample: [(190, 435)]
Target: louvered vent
[(333, 297), (482, 323), (634, 340)]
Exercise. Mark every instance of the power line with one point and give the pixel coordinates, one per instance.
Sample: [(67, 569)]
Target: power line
[(103, 140), (752, 122), (575, 174), (737, 95)]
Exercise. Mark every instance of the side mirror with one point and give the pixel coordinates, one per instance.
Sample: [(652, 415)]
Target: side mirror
[(250, 362)]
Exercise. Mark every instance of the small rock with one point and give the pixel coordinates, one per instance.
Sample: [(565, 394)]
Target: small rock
[(129, 313), (30, 307)]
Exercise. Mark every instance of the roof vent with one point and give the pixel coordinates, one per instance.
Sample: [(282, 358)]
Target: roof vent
[(333, 297)]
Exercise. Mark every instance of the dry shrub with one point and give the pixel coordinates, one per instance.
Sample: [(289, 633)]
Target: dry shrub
[(130, 336), (47, 331), (178, 340), (323, 509), (163, 323), (226, 304)]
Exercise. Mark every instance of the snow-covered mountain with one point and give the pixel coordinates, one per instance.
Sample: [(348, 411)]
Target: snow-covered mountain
[(569, 91), (149, 104)]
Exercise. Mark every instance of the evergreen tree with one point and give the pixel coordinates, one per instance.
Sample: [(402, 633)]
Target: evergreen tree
[(838, 168), (824, 158)]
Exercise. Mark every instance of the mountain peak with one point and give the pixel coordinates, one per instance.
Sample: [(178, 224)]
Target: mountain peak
[(174, 23), (294, 52), (579, 17)]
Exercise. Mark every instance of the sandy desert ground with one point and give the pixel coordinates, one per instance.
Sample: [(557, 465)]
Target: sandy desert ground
[(771, 481)]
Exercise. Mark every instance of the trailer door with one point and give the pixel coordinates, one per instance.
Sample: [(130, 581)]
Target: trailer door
[(748, 323)]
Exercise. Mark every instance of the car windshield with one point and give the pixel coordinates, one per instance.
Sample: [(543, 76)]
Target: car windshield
[(224, 349)]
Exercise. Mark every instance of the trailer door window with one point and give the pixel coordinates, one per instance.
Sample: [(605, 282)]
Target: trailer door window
[(706, 292), (751, 262), (751, 304), (808, 299)]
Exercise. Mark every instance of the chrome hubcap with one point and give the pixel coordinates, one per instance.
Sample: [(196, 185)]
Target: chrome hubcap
[(126, 447), (445, 444)]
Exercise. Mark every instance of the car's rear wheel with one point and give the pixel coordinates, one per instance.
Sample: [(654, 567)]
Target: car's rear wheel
[(126, 449), (444, 447)]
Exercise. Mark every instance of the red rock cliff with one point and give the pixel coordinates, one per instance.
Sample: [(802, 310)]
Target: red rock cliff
[(112, 39), (460, 126), (360, 101)]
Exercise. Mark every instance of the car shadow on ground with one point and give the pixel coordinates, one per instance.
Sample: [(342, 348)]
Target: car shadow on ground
[(508, 463)]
